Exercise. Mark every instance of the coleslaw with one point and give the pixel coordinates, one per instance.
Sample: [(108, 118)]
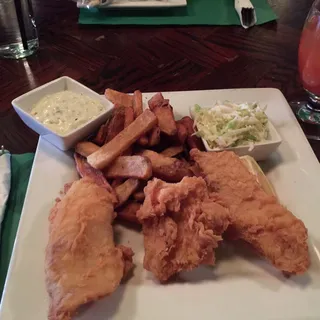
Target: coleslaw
[(229, 124)]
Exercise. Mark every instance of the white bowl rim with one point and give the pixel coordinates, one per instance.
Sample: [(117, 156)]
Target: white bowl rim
[(277, 140), (67, 135)]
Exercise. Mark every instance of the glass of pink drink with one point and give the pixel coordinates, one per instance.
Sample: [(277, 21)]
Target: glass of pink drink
[(309, 67)]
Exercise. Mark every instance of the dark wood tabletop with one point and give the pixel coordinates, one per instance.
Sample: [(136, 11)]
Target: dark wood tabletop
[(152, 59)]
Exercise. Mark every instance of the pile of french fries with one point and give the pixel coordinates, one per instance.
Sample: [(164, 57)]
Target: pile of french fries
[(135, 145)]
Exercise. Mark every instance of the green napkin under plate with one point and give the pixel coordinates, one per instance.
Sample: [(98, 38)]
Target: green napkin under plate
[(197, 12), (20, 172)]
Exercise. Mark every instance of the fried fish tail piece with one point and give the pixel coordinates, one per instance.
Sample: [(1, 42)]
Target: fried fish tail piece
[(181, 226), (257, 217), (82, 263)]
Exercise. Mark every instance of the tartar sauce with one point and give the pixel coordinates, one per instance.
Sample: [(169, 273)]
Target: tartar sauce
[(65, 111)]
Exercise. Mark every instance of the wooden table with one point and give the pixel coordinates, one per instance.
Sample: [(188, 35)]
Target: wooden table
[(152, 59)]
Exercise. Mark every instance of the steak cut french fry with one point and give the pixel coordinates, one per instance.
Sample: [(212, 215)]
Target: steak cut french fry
[(157, 101), (116, 182), (85, 148), (85, 170), (182, 133), (116, 123), (119, 98), (166, 120), (192, 140), (129, 167), (139, 196), (128, 212), (172, 151), (128, 119), (128, 116), (125, 190), (138, 109), (101, 135), (154, 136), (137, 103), (164, 113), (167, 169), (143, 141), (110, 151)]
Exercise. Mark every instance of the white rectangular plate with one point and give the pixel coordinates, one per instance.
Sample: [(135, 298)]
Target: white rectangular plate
[(241, 286), (151, 4)]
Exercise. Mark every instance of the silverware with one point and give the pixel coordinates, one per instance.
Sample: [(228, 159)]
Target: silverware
[(311, 137), (104, 3), (246, 13)]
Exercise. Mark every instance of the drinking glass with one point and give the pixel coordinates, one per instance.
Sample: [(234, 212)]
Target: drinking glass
[(309, 70), (18, 32)]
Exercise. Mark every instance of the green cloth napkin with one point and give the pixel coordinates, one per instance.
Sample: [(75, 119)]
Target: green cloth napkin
[(20, 172), (197, 12)]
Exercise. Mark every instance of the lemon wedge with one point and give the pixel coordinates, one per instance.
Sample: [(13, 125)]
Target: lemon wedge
[(255, 169)]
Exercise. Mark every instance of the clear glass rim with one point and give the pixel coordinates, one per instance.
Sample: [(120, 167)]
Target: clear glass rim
[(315, 7)]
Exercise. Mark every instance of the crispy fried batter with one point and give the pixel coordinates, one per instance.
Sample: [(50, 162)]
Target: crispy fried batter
[(82, 263), (257, 217), (181, 226)]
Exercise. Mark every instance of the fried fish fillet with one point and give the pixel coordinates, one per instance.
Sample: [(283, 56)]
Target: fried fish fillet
[(181, 226), (82, 263), (257, 217)]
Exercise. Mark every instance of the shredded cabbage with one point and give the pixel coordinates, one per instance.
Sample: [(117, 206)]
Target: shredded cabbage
[(230, 124)]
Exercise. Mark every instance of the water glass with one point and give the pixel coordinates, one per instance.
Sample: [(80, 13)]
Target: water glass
[(18, 35)]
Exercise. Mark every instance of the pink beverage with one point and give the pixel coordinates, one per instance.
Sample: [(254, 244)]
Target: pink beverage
[(309, 55)]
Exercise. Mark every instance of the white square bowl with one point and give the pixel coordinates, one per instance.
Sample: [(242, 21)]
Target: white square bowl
[(24, 104), (261, 150)]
